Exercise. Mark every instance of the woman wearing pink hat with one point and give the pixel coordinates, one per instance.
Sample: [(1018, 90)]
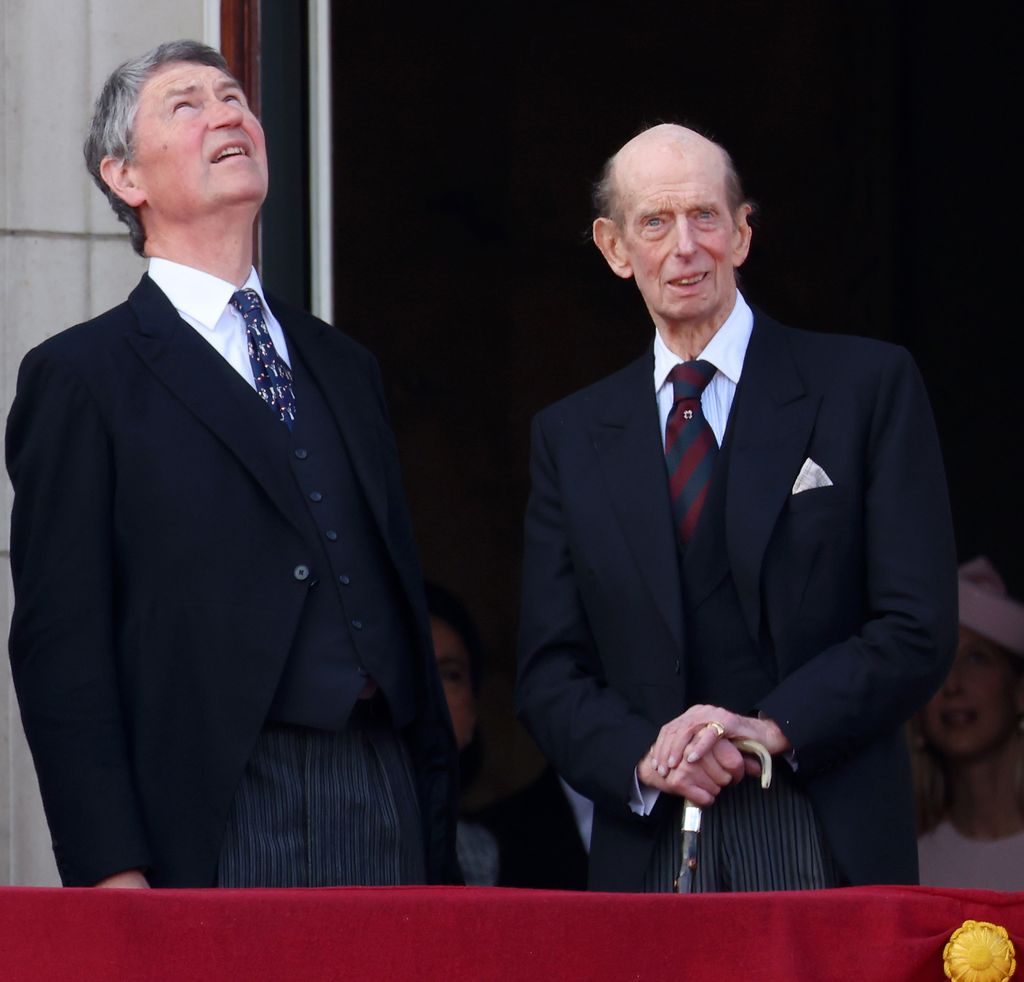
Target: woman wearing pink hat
[(969, 746)]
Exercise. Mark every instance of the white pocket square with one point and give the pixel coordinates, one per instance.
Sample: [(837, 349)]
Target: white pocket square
[(811, 476)]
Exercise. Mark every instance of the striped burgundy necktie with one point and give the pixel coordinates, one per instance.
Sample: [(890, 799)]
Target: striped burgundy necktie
[(690, 445), (270, 371)]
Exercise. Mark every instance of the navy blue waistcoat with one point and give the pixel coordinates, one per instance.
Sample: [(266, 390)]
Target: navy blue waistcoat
[(355, 623)]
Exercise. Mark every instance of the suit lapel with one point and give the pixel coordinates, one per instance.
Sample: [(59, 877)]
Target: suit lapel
[(215, 394), (626, 437), (773, 419)]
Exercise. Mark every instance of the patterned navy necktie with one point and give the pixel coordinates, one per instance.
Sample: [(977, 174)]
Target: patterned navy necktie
[(271, 372), (690, 445)]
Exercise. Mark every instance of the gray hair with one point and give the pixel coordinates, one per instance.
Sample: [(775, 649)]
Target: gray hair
[(606, 191), (113, 118)]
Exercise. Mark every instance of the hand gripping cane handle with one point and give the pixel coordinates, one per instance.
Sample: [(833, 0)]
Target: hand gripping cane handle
[(690, 826)]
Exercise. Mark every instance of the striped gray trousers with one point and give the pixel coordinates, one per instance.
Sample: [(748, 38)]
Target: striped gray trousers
[(318, 808), (750, 840)]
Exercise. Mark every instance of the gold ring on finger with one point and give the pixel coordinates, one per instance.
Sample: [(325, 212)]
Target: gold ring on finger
[(717, 727)]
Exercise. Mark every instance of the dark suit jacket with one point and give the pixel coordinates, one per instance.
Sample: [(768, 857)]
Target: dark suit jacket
[(852, 588), (157, 553)]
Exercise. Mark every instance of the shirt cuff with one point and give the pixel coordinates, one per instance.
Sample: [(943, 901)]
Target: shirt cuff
[(642, 798)]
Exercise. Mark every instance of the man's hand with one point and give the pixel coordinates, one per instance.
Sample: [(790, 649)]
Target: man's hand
[(693, 755), (699, 781), (130, 879)]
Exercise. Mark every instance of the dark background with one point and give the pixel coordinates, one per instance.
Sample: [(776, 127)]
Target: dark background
[(874, 137)]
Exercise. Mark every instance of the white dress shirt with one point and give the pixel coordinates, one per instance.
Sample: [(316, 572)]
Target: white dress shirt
[(204, 302), (726, 351)]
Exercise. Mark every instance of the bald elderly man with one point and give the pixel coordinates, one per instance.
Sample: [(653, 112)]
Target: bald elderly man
[(743, 534)]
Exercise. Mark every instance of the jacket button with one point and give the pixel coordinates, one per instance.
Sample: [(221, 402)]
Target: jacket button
[(358, 625), (315, 496), (331, 535), (344, 579), (301, 572), (301, 453)]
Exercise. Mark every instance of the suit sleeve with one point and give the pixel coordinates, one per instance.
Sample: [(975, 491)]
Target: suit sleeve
[(869, 683), (585, 727), (62, 641)]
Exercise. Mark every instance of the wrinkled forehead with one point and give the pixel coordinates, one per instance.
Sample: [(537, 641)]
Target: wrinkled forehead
[(645, 168), (184, 76)]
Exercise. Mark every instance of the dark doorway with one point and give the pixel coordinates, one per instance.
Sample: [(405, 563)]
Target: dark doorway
[(285, 219), (870, 136)]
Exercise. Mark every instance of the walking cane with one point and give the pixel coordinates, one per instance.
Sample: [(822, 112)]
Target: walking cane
[(690, 826)]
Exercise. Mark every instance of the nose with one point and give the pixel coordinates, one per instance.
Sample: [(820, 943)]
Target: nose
[(225, 114), (685, 246)]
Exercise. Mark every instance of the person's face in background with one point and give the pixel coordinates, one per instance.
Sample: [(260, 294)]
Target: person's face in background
[(453, 666), (978, 707)]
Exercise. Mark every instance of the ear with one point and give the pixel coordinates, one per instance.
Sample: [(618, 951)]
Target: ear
[(119, 176), (608, 238), (742, 234)]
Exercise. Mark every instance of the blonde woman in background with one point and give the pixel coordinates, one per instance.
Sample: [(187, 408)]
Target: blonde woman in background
[(969, 746)]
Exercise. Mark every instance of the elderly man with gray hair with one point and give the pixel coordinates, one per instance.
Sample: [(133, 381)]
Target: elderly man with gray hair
[(742, 536), (220, 642)]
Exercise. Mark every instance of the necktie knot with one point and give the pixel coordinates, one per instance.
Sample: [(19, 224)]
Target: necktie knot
[(247, 302), (690, 378)]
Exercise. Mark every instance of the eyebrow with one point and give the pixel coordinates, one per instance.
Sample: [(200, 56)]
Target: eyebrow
[(219, 86), (652, 211), (180, 91), (228, 82)]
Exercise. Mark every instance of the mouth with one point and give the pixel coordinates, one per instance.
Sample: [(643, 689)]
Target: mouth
[(688, 280), (957, 718), (233, 151)]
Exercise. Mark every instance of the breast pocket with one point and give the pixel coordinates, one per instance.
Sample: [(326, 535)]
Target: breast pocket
[(817, 500), (812, 543)]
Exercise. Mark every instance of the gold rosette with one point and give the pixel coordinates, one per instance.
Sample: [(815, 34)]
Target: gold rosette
[(979, 952)]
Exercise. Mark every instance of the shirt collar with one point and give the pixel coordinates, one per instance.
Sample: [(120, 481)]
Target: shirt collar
[(200, 295), (726, 349)]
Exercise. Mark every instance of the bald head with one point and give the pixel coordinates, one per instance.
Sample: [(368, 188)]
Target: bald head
[(654, 147), (677, 225)]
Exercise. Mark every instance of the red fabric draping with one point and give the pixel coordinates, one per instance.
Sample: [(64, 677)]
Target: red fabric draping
[(423, 933)]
